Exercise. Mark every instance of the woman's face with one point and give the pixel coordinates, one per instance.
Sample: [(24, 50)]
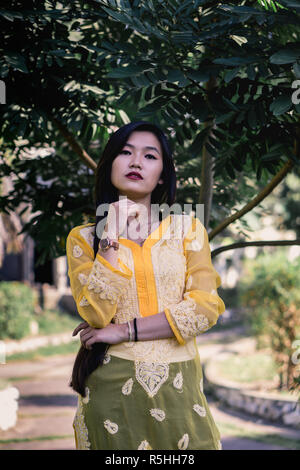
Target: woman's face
[(141, 153)]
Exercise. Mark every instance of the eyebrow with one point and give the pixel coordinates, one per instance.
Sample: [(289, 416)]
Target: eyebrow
[(147, 147)]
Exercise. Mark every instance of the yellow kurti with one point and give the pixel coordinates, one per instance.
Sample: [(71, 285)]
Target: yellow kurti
[(171, 272)]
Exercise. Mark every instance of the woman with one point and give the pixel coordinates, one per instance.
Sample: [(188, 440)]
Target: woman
[(145, 296)]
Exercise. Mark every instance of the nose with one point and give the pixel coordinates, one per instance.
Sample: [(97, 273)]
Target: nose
[(136, 159)]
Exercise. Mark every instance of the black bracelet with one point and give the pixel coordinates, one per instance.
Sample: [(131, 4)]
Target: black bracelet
[(135, 330)]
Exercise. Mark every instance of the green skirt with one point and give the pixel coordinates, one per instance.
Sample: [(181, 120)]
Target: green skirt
[(117, 413)]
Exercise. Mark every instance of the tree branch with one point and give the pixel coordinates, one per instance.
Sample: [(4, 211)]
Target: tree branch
[(74, 144), (233, 246), (255, 201)]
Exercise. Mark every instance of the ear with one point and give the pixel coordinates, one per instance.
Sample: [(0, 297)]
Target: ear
[(160, 181)]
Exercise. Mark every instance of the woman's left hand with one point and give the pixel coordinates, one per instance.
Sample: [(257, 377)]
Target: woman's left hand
[(111, 334)]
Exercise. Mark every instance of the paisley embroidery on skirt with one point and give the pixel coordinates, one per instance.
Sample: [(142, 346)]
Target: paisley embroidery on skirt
[(158, 414), (178, 381), (107, 358), (199, 409), (183, 442), (144, 445), (127, 387), (110, 426), (151, 375)]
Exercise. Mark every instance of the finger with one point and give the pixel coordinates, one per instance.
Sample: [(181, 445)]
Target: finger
[(80, 327), (85, 331), (90, 342), (86, 336)]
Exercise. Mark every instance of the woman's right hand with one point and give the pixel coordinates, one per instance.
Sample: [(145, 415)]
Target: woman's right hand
[(120, 214)]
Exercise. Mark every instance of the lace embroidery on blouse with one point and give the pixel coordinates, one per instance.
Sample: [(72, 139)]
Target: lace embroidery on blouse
[(169, 275), (128, 303), (107, 284), (83, 278), (84, 302), (77, 251), (188, 322), (88, 234)]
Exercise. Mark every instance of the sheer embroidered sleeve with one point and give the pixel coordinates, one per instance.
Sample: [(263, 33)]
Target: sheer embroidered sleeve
[(96, 285), (201, 305)]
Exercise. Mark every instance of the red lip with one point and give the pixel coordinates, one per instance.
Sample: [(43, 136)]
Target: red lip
[(134, 173)]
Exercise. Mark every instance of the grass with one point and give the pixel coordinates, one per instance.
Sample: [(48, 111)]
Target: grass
[(232, 430), (51, 350), (248, 368), (226, 429), (53, 321), (258, 368), (41, 438)]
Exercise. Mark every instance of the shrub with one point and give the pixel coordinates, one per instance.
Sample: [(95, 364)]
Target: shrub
[(270, 293), (17, 302)]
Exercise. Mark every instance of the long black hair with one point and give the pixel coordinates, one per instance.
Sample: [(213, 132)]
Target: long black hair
[(105, 192)]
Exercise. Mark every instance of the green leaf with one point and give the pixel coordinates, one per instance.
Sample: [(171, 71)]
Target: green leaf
[(251, 72), (175, 115), (199, 75), (240, 9), (16, 61), (151, 108), (148, 93), (273, 155), (186, 131), (124, 72), (281, 105), (11, 15), (211, 149), (285, 56), (296, 69), (261, 113), (117, 16), (251, 117), (235, 60), (196, 147), (175, 76), (179, 138), (291, 4), (224, 117), (230, 104), (230, 170), (230, 74), (139, 80)]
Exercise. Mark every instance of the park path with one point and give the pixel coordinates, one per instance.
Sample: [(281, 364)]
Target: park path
[(47, 406)]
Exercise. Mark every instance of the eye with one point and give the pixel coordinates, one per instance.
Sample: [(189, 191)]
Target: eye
[(148, 154)]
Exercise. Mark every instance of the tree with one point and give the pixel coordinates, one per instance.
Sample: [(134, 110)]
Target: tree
[(217, 76)]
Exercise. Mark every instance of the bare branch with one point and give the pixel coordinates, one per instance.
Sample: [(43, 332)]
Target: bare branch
[(256, 200), (233, 246), (74, 144)]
